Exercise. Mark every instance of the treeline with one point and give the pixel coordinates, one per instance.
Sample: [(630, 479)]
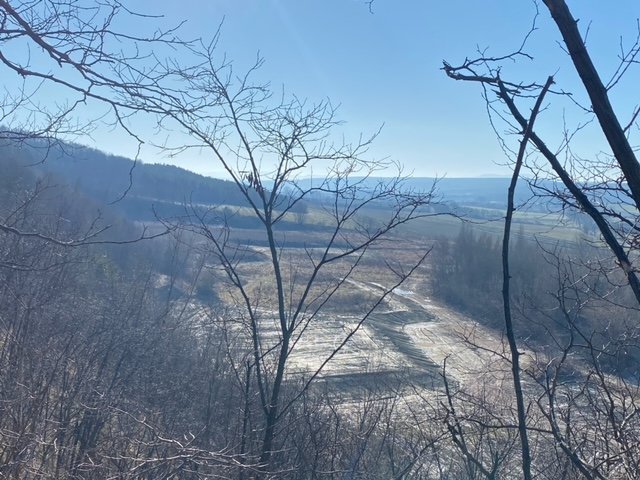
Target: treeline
[(467, 272), (555, 286), (140, 191)]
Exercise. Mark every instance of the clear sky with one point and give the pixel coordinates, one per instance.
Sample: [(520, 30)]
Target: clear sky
[(384, 67)]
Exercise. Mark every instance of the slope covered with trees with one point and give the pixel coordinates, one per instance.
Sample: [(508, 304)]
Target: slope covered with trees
[(134, 188)]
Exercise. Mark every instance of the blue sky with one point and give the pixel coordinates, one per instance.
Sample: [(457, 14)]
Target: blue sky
[(383, 68)]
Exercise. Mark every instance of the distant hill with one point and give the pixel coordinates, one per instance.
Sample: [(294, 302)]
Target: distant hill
[(490, 192), (481, 192), (165, 189), (106, 178)]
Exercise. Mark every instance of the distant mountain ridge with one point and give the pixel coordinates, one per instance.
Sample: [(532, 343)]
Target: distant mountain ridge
[(165, 189), (485, 192), (136, 188), (473, 191)]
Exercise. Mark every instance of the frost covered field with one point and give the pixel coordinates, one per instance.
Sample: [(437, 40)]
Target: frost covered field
[(402, 343)]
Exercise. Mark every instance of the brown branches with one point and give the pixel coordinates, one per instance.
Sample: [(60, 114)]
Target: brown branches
[(268, 146), (615, 230), (607, 190), (506, 278), (597, 91), (69, 46)]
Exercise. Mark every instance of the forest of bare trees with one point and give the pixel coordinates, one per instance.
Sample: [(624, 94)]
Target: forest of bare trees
[(189, 345)]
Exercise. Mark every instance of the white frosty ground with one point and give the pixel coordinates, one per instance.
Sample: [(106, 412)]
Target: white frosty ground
[(426, 328)]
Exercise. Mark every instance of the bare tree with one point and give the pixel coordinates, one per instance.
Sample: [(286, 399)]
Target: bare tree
[(79, 50), (608, 193), (101, 75), (267, 146), (601, 191)]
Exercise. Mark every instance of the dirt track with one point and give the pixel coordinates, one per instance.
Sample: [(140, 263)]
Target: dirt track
[(408, 337)]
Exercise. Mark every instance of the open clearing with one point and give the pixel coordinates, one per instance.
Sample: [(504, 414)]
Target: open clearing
[(408, 338), (403, 342)]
